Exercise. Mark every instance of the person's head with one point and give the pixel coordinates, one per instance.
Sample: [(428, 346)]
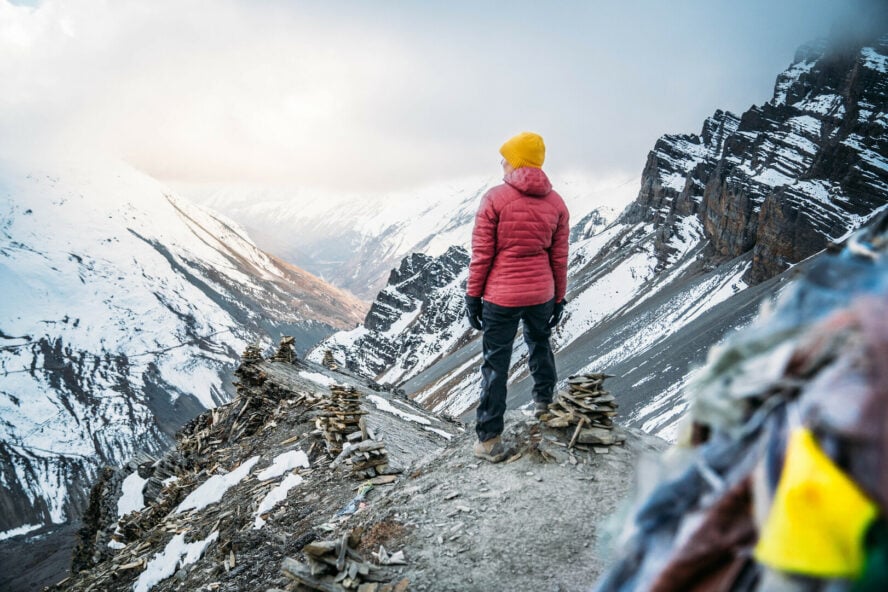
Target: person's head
[(524, 150)]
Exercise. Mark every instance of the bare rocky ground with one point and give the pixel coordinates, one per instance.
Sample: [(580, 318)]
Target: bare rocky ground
[(531, 523)]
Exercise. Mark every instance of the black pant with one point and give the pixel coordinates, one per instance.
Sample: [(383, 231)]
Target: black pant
[(500, 325)]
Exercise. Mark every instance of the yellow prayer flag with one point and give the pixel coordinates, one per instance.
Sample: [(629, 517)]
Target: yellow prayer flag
[(817, 523)]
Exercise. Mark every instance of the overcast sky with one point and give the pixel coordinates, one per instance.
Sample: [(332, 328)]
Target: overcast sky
[(384, 95)]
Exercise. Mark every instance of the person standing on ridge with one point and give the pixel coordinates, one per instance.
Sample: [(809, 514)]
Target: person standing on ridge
[(518, 273)]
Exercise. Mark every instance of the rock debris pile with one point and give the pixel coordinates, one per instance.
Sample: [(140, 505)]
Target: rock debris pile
[(334, 565), (250, 484), (341, 418), (588, 410), (252, 353)]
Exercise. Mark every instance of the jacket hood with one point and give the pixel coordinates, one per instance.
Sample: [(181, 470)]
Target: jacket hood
[(529, 181)]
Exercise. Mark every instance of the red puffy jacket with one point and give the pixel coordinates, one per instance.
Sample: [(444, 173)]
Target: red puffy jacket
[(519, 244)]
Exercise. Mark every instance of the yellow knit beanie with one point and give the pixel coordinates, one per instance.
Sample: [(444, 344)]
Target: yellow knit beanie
[(524, 150)]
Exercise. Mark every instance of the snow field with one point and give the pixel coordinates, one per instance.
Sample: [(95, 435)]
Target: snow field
[(275, 496), (131, 498), (212, 490), (24, 529), (176, 554), (286, 461)]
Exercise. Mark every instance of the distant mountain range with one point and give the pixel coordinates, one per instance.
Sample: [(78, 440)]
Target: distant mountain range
[(353, 241), (718, 224), (124, 311)]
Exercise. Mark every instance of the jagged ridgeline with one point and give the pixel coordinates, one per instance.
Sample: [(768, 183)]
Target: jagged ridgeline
[(785, 178), (720, 220)]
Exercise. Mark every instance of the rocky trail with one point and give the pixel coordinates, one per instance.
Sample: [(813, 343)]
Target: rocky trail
[(295, 485)]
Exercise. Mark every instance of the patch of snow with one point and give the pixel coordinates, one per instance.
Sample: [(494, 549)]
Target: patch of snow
[(116, 545), (874, 60), (605, 296), (441, 433), (817, 190), (674, 181), (177, 553), (825, 104), (661, 415), (874, 159), (131, 498), (385, 405), (284, 462), (317, 377), (673, 315), (24, 529), (275, 496), (212, 490)]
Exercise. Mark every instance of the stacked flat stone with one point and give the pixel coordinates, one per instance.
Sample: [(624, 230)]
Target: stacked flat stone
[(286, 351), (328, 360), (341, 418), (252, 354), (334, 565), (589, 407)]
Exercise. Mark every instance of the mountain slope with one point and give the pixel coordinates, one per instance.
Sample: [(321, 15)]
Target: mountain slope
[(124, 308), (432, 502)]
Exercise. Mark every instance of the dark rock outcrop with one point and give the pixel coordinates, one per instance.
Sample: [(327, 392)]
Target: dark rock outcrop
[(788, 177), (413, 320)]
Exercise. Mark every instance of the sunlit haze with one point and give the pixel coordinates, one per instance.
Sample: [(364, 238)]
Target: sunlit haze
[(376, 96)]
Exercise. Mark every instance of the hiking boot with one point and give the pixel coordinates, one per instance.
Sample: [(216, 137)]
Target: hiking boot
[(540, 409), (490, 450)]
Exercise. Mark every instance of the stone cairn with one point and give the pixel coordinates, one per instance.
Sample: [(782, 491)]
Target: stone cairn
[(348, 438), (337, 565), (328, 360), (286, 351), (252, 353), (590, 408)]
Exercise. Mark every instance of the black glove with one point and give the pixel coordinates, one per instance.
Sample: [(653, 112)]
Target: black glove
[(557, 313), (473, 311)]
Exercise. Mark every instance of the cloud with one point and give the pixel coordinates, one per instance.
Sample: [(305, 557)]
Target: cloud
[(356, 95)]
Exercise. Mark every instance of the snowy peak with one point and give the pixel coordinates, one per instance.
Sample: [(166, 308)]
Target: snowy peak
[(290, 293)]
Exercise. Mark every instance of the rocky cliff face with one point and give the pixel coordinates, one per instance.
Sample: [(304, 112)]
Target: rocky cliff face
[(785, 178), (415, 319)]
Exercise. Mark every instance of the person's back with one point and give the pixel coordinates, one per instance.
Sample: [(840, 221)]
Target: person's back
[(519, 244), (518, 273)]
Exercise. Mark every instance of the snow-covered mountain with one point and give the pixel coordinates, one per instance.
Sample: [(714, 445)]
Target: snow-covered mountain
[(123, 311), (719, 220), (353, 241)]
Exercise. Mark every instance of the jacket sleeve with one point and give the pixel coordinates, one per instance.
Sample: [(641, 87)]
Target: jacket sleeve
[(558, 254), (483, 246)]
